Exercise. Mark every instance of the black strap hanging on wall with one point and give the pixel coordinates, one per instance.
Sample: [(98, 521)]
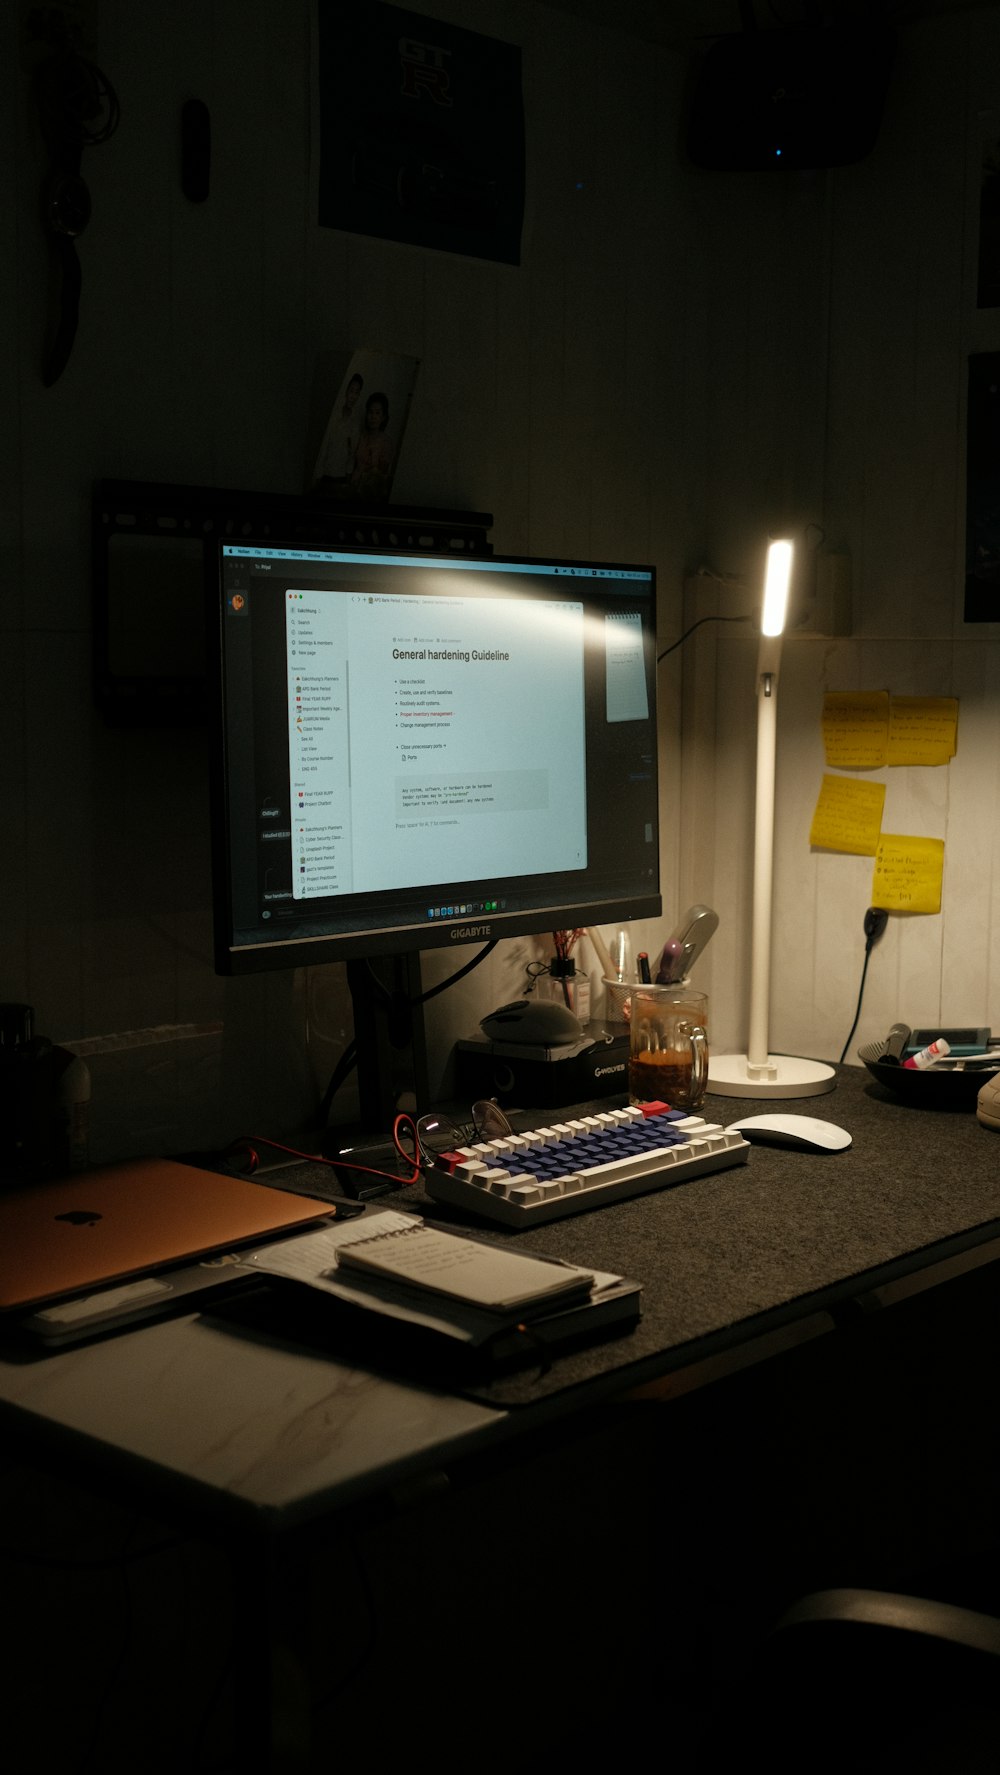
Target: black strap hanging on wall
[(78, 108)]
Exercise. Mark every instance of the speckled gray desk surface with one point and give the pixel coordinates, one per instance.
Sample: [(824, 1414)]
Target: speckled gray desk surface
[(723, 1257)]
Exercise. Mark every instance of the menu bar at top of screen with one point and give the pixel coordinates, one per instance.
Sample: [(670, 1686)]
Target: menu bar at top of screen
[(481, 564)]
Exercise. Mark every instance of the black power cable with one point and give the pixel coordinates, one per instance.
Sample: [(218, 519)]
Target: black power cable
[(696, 625), (876, 919)]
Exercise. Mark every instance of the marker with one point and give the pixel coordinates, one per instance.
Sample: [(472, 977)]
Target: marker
[(644, 973), (666, 972)]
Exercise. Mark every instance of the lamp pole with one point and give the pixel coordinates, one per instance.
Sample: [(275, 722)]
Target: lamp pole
[(768, 662), (759, 1073)]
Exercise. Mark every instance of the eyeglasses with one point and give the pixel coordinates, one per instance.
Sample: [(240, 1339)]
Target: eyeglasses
[(437, 1134)]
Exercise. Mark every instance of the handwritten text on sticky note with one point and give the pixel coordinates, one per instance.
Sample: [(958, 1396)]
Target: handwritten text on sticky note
[(922, 729), (848, 816), (908, 873), (856, 728)]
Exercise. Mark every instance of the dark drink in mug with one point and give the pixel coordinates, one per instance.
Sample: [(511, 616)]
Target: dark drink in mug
[(663, 1077), (668, 1046)]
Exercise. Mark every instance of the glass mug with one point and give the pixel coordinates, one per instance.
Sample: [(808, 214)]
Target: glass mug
[(668, 1046)]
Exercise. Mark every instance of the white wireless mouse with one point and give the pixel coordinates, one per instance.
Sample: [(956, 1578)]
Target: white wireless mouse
[(807, 1133)]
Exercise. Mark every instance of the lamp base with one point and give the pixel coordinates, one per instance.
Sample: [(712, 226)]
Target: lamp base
[(781, 1075)]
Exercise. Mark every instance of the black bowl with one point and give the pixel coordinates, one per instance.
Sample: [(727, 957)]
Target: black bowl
[(937, 1087)]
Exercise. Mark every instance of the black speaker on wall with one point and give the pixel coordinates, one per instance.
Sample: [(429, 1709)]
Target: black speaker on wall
[(803, 96)]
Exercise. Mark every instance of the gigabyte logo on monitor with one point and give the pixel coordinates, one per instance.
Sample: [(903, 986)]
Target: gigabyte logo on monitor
[(466, 932)]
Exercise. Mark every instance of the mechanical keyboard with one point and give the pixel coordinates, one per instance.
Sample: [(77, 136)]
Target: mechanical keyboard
[(539, 1174)]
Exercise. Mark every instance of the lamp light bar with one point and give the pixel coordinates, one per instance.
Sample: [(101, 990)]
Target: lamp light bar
[(777, 580)]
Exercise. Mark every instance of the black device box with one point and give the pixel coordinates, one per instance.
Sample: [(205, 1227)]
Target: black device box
[(794, 98), (544, 1078)]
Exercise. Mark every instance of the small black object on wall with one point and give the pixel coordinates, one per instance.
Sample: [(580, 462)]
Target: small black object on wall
[(799, 97), (196, 150)]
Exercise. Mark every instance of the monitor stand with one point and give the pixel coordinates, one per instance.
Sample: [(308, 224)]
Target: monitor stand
[(386, 992), (392, 1076)]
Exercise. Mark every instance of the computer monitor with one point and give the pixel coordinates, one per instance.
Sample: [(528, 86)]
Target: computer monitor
[(418, 750)]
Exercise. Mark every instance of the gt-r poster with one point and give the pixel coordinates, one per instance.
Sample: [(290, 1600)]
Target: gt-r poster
[(421, 131)]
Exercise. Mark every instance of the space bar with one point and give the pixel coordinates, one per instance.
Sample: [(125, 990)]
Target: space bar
[(635, 1165)]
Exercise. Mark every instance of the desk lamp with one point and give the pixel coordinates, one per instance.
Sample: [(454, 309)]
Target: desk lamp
[(758, 1073)]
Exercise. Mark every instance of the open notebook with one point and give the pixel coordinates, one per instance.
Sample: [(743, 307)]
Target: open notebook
[(62, 1236)]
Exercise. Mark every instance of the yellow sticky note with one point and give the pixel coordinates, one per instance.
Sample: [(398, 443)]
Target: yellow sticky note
[(922, 729), (848, 816), (856, 728), (907, 874)]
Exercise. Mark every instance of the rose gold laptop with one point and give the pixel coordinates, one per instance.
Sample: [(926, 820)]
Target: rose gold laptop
[(63, 1236)]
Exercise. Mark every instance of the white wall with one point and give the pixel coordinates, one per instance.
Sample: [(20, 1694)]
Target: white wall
[(557, 395), (681, 363), (891, 246)]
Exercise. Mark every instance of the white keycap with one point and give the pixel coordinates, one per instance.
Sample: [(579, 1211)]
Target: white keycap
[(496, 1174), (525, 1193)]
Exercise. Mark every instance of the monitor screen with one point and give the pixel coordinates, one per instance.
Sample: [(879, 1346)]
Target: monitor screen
[(417, 750)]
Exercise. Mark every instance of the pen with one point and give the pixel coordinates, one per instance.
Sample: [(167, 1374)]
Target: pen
[(644, 973)]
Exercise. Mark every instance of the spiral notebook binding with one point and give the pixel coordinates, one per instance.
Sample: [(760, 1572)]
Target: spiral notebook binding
[(391, 1232)]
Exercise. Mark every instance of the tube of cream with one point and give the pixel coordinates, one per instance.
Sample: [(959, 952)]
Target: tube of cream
[(935, 1051)]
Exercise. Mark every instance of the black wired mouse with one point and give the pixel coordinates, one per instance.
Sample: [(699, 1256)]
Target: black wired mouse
[(533, 1023)]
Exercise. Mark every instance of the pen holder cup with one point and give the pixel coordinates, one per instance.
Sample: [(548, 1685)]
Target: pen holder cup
[(618, 997), (616, 1000), (668, 1046)]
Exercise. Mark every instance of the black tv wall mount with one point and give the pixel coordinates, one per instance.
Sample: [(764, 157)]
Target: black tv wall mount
[(153, 554)]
